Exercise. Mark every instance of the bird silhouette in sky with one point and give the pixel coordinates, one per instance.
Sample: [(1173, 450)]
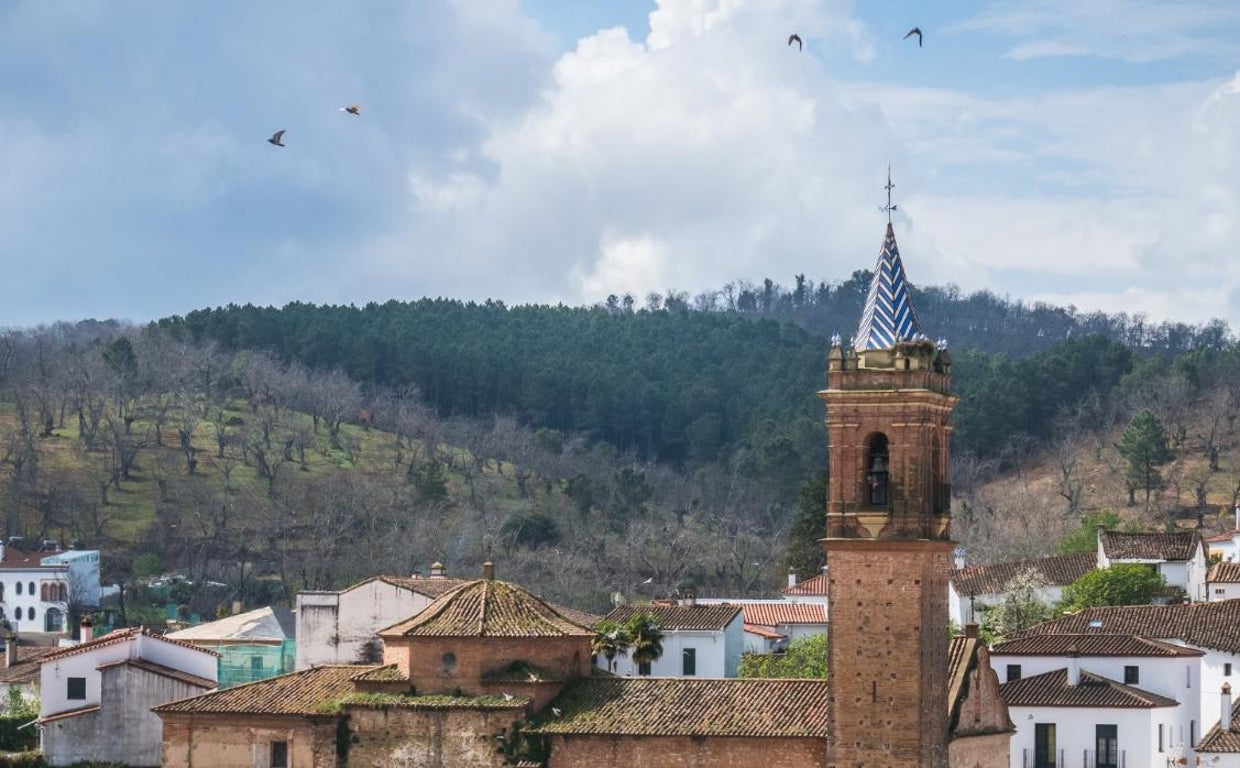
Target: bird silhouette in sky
[(354, 109), (276, 138), (795, 38), (557, 711), (914, 31)]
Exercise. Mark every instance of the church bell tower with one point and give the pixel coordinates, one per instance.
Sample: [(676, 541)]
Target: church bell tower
[(889, 406)]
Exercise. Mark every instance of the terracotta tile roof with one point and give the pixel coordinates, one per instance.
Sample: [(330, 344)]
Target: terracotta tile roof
[(623, 706), (1224, 573), (815, 586), (761, 631), (1090, 645), (120, 636), (1051, 689), (1222, 537), (160, 669), (16, 559), (772, 614), (488, 608), (26, 670), (389, 674), (431, 587), (1060, 570), (296, 693), (1218, 741), (680, 618), (580, 617), (69, 714), (1213, 625), (1166, 545), (960, 653)]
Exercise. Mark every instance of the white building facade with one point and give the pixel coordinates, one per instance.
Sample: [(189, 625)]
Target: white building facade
[(38, 588), (698, 641)]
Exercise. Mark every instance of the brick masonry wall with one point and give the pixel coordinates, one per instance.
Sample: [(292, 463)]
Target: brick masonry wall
[(423, 659), (685, 752), (990, 751), (888, 652)]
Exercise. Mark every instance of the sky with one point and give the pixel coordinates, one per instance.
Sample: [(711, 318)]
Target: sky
[(1084, 154)]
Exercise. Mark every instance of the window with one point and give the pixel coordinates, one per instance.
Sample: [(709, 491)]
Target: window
[(1106, 742), (31, 588), (1188, 677), (1227, 670), (1218, 591), (1044, 745), (449, 664), (1013, 672), (1160, 737), (19, 587), (643, 668), (279, 754), (1132, 675), (689, 662), (29, 613), (876, 477), (77, 689), (256, 664)]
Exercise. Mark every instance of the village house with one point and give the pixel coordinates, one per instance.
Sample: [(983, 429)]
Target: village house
[(1179, 556), (1220, 748), (699, 640), (338, 627), (1212, 628), (39, 584), (20, 672), (97, 695), (253, 645), (812, 590), (974, 589), (1121, 701), (1223, 581), (1225, 546)]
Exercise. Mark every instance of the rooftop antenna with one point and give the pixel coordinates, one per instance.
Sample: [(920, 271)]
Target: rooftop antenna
[(889, 207)]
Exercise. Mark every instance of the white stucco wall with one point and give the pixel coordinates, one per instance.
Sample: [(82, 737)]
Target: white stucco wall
[(718, 653), (332, 627), (1075, 734)]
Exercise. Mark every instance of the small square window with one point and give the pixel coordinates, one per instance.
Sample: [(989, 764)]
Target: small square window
[(1013, 672), (643, 668), (1227, 670), (77, 689), (279, 754), (1132, 675)]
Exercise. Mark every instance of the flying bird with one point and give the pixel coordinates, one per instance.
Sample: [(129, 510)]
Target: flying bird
[(914, 31), (649, 580), (354, 109), (557, 711), (508, 696), (275, 138), (795, 38)]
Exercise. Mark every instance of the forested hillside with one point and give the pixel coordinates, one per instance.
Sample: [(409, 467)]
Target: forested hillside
[(590, 449)]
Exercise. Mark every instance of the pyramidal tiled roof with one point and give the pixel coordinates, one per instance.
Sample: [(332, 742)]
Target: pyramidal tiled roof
[(888, 317), (488, 608)]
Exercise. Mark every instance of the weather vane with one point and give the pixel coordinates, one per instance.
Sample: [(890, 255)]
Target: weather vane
[(889, 207)]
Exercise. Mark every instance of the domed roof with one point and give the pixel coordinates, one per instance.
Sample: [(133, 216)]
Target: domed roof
[(488, 608)]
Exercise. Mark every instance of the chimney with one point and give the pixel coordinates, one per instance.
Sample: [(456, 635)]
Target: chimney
[(438, 571), (10, 652), (488, 571), (86, 630), (237, 607), (970, 629), (792, 577), (1224, 720), (689, 598), (1074, 667)]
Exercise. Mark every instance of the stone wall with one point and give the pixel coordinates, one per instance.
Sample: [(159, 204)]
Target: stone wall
[(989, 751), (685, 752), (237, 741), (397, 737)]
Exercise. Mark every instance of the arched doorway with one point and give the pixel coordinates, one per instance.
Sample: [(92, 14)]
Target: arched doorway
[(53, 620)]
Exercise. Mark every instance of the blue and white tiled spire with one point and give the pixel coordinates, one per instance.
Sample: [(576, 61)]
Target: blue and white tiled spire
[(888, 317)]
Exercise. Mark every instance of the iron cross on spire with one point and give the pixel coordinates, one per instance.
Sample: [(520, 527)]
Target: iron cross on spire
[(889, 207)]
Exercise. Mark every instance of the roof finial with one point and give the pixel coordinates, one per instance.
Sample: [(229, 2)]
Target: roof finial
[(889, 207)]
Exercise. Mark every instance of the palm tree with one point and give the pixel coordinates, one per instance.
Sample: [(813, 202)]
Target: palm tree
[(610, 640), (646, 639)]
